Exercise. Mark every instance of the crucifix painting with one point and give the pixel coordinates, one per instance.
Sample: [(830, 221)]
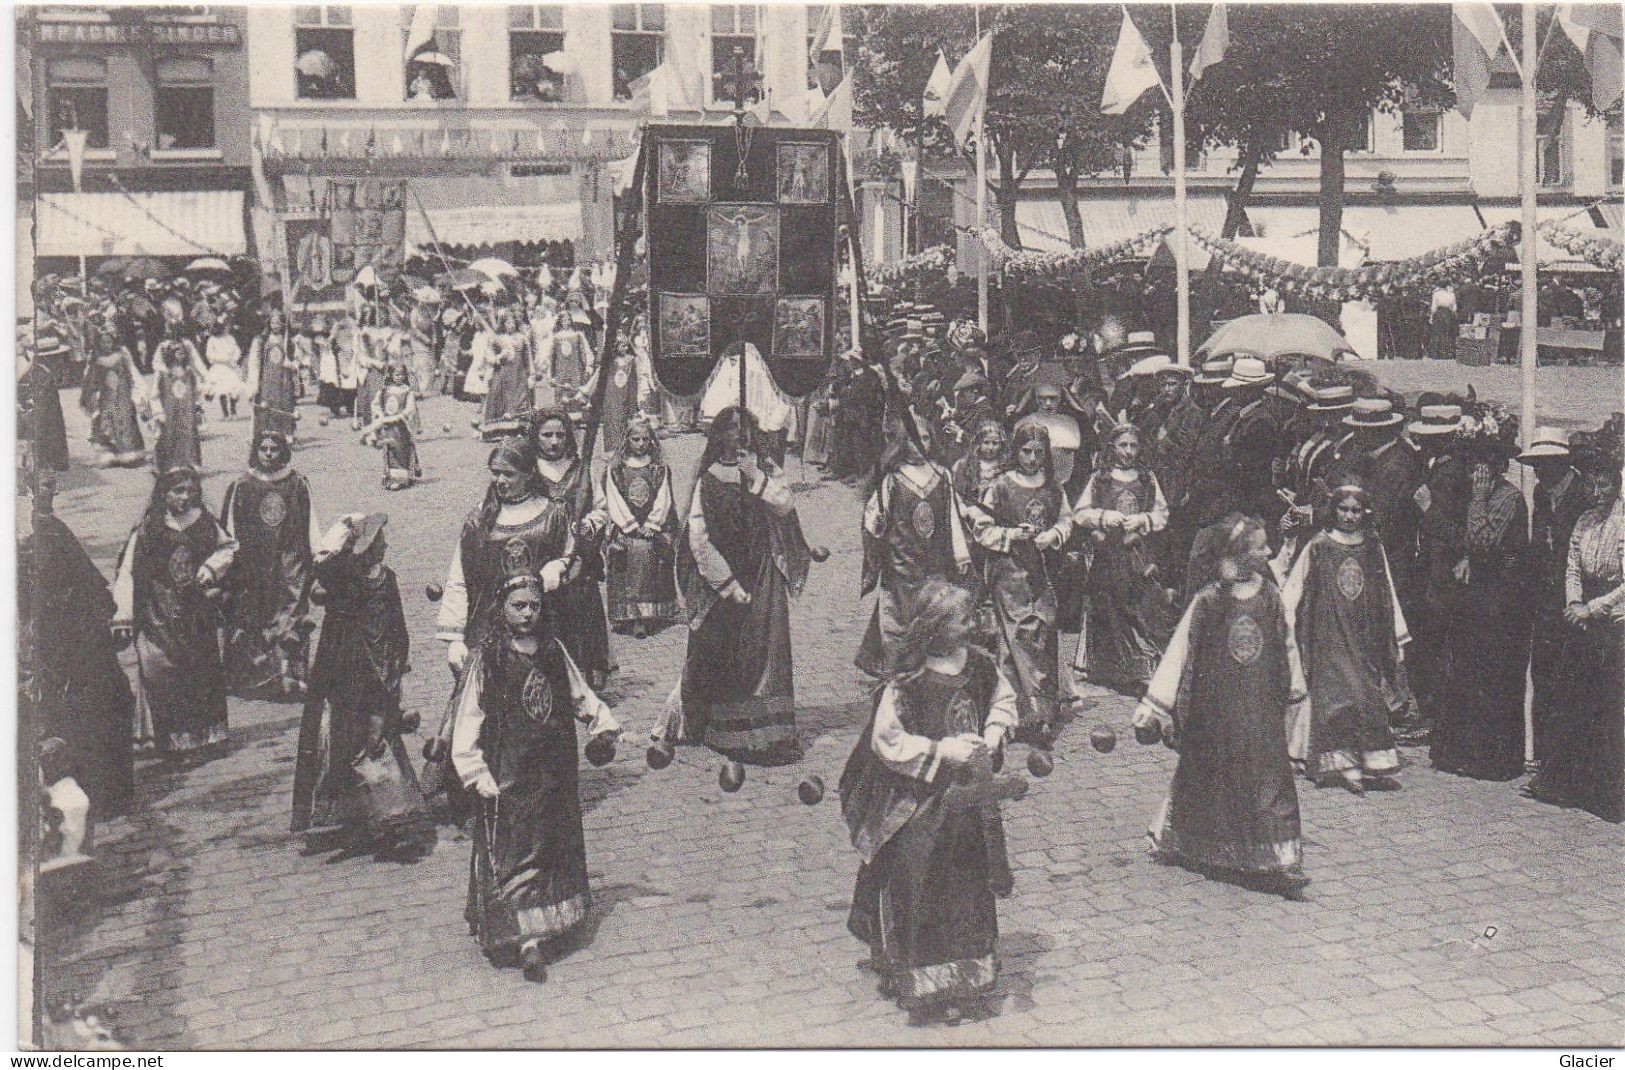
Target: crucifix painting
[(742, 249)]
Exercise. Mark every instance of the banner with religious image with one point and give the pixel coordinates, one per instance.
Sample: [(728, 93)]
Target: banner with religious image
[(358, 223), (742, 230)]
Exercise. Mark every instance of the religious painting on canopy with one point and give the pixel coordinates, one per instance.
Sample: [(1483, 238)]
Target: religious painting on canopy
[(742, 232)]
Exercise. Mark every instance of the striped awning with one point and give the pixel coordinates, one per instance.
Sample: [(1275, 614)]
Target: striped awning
[(158, 223), (492, 210)]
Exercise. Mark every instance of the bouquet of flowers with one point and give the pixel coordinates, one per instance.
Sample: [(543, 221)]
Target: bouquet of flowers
[(1489, 427)]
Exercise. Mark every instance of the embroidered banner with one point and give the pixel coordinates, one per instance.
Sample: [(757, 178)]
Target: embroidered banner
[(741, 224)]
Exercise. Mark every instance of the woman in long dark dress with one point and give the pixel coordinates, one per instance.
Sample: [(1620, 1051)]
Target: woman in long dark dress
[(1129, 612), (167, 595), (1351, 634), (924, 900), (175, 382), (80, 692), (739, 560), (273, 378), (269, 511), (1221, 697), (353, 768), (39, 388), (108, 395), (514, 745), (1586, 766), (640, 518), (507, 394), (1022, 522), (567, 479), (1478, 725)]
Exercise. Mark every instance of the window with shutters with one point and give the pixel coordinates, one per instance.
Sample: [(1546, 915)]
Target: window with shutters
[(734, 43), (433, 47), (324, 52), (637, 43), (77, 87), (183, 103), (535, 32)]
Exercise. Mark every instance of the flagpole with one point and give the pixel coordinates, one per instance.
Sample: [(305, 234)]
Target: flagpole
[(1529, 257), (855, 317), (981, 199), (1182, 268)]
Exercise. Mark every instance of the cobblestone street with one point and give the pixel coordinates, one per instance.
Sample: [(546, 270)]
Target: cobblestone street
[(1449, 912)]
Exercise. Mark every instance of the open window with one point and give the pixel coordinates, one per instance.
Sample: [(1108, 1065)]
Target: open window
[(434, 67), (734, 45), (535, 32), (1422, 129), (637, 43), (183, 104), (324, 52), (77, 89)]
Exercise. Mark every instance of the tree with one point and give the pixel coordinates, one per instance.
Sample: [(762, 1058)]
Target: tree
[(1049, 65)]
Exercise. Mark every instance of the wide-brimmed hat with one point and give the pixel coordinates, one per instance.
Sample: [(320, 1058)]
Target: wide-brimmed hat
[(1436, 420), (1215, 370), (1547, 442), (1372, 414), (965, 335), (1148, 366), (1248, 371), (1328, 396), (1136, 342), (366, 532), (913, 331)]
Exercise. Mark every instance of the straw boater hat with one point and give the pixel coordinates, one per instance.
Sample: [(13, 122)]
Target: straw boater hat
[(1248, 371), (1148, 366), (1436, 420), (1328, 396), (914, 331), (1215, 371), (1372, 414), (1548, 442), (1137, 342)]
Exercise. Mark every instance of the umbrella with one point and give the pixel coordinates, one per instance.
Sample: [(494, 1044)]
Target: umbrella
[(148, 267), (494, 267), (113, 265), (461, 279), (439, 59), (314, 64), (1277, 334), (208, 263)]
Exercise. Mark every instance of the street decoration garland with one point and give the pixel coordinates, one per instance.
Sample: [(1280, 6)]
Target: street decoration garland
[(1021, 263), (938, 261), (1369, 281), (1597, 251)]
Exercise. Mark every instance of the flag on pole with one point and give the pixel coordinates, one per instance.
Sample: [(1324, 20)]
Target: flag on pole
[(836, 114), (1597, 31), (936, 90), (911, 178), (422, 31), (74, 141), (828, 35), (1476, 35), (1132, 71), (1215, 42), (967, 90)]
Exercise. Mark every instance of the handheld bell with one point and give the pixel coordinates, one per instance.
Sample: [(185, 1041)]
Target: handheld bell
[(811, 790), (731, 777), (1039, 763), (1103, 738)]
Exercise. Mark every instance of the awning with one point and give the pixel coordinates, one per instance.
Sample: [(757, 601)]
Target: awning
[(163, 223), (492, 210), (1107, 220), (1577, 220), (1399, 232), (1293, 233)]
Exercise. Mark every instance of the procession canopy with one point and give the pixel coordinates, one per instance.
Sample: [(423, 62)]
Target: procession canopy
[(742, 225)]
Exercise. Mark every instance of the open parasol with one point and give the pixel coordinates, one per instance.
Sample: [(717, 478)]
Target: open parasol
[(148, 267), (113, 265), (494, 267), (1271, 335), (314, 64), (208, 263), (438, 59), (461, 279)]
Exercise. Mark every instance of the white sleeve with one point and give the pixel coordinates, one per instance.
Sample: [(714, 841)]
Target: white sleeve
[(775, 494), (901, 750), (1083, 516), (124, 582), (1159, 505), (713, 567), (1004, 710), (453, 618), (1162, 693), (225, 551), (874, 510), (590, 709), (466, 756)]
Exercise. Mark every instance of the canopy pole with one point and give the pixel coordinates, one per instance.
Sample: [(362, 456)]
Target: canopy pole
[(1529, 267), (1182, 271), (981, 199)]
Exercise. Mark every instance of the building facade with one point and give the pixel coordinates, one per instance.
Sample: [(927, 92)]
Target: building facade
[(513, 125), (158, 97)]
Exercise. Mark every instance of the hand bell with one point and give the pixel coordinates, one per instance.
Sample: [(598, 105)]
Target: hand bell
[(731, 777)]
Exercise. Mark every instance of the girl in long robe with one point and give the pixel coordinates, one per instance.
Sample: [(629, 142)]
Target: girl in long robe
[(352, 767), (176, 405), (1023, 521), (423, 345), (1221, 697), (924, 900), (565, 478), (108, 395), (1484, 636), (1350, 635), (396, 409), (1586, 766), (375, 349), (739, 560), (273, 379), (269, 511), (913, 531), (507, 395), (515, 746), (335, 361), (516, 528), (640, 518), (166, 594), (1130, 614)]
